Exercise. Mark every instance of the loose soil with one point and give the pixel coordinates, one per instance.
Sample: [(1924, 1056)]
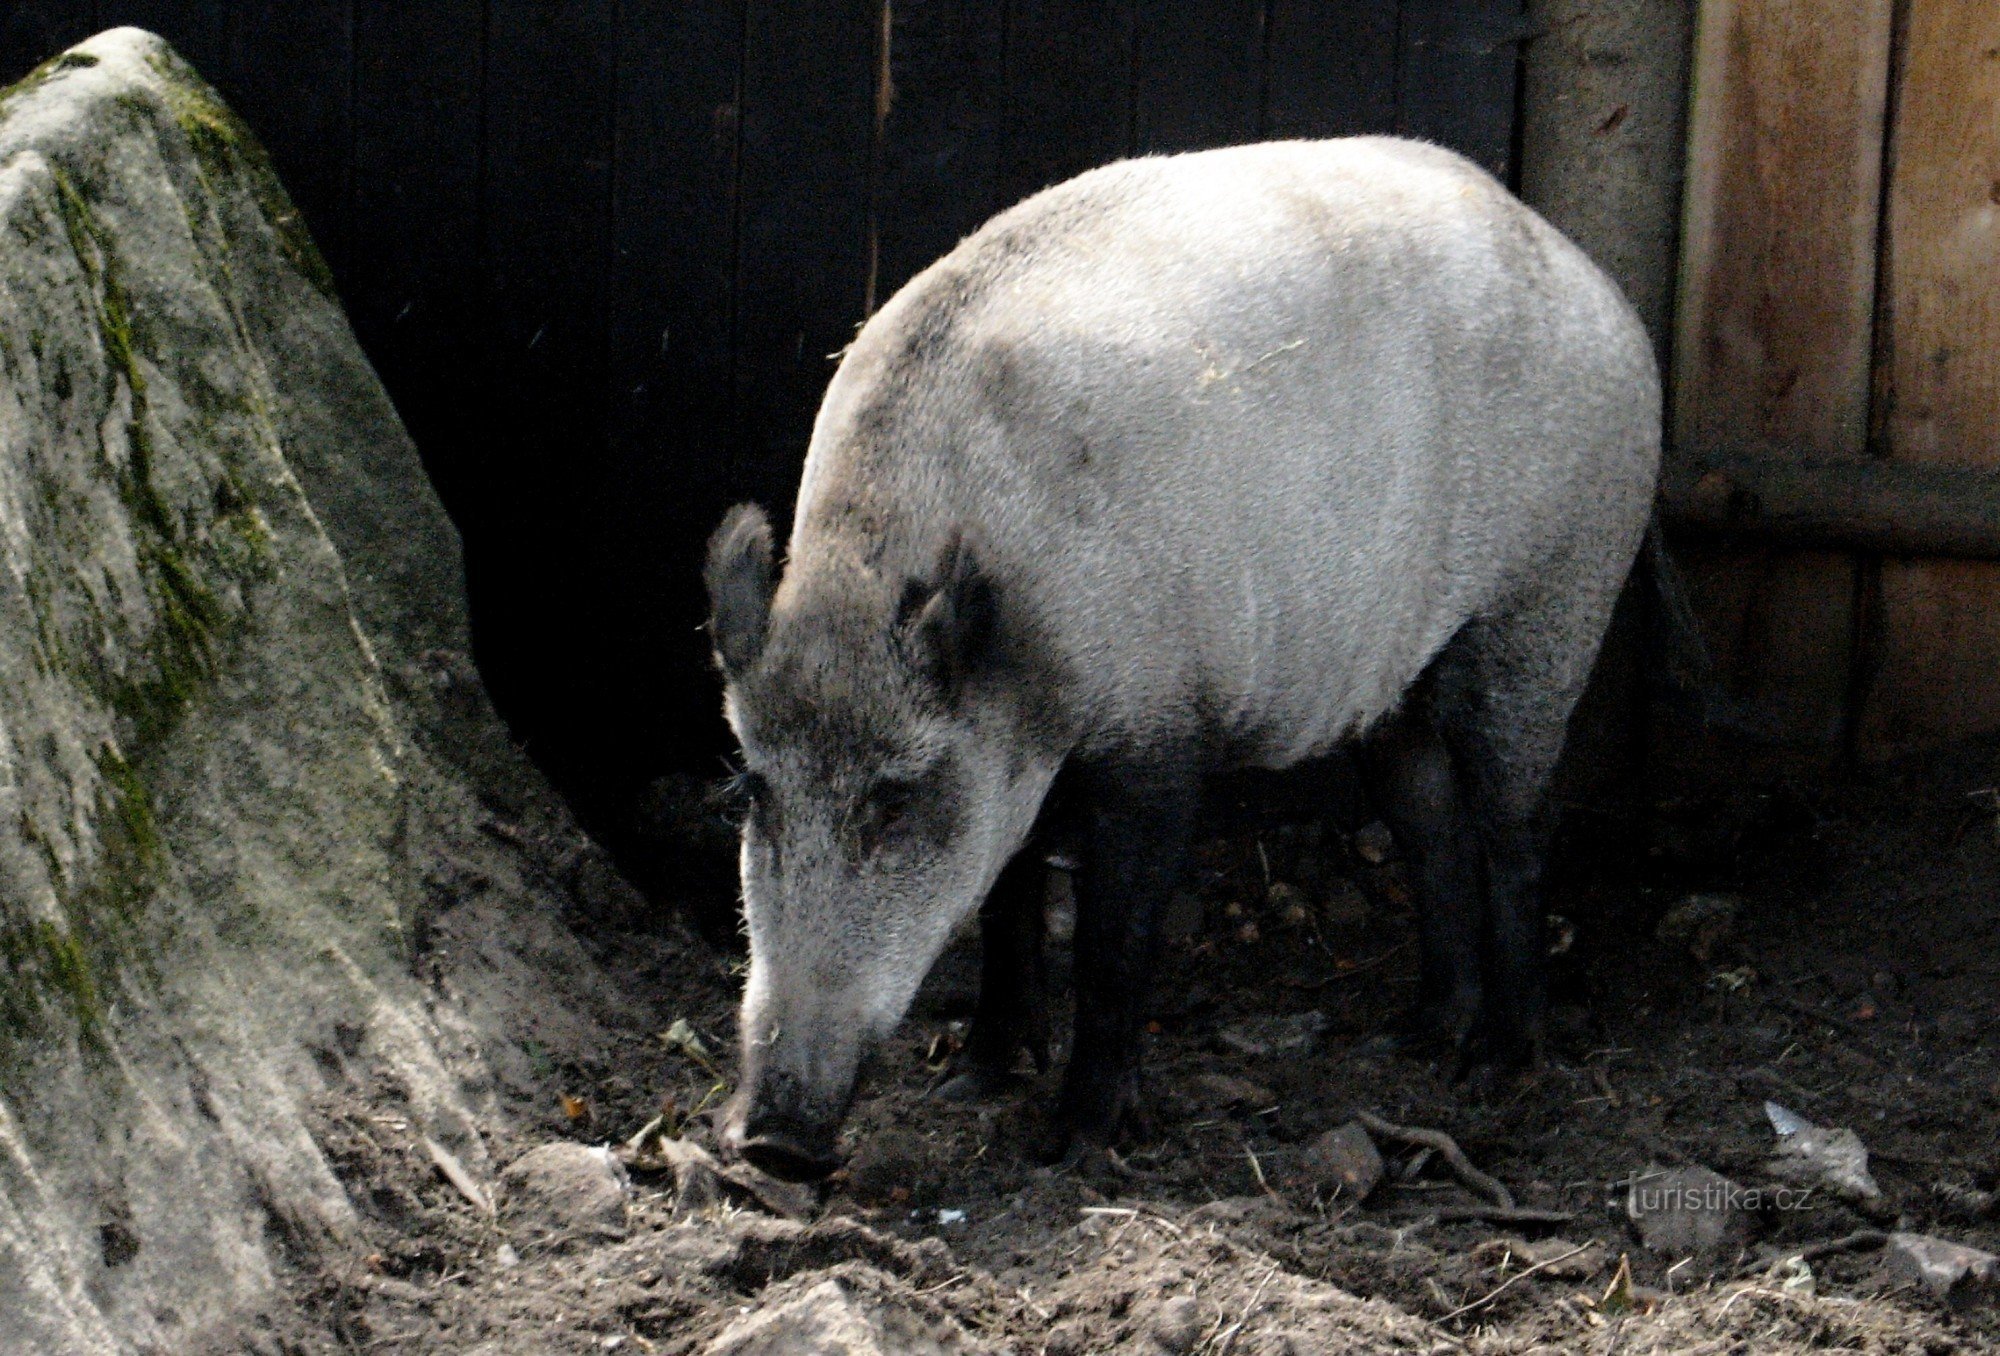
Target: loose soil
[(1858, 985)]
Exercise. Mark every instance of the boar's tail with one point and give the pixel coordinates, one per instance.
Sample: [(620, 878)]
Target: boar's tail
[(1685, 672)]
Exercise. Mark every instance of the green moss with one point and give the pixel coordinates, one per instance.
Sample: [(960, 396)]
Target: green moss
[(43, 961), (126, 820), (75, 61), (225, 147), (191, 623)]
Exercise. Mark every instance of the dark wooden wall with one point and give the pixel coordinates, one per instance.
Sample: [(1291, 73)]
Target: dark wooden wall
[(601, 252)]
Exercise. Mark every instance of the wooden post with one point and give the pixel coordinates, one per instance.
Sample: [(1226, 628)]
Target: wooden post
[(1772, 338), (1938, 653)]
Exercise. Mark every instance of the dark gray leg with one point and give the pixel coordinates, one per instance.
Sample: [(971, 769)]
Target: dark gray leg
[(1136, 822), (1503, 706), (1506, 801), (1415, 788), (1013, 995)]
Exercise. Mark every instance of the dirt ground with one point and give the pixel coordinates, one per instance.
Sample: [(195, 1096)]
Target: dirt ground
[(1848, 968)]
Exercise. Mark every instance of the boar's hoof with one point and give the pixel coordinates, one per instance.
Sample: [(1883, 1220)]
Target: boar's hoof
[(1444, 1026), (974, 1084), (1493, 1066)]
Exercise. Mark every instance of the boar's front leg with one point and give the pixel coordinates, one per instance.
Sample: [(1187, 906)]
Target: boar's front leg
[(1013, 997), (1136, 820)]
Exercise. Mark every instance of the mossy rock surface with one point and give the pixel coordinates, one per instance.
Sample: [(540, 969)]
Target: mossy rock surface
[(237, 727)]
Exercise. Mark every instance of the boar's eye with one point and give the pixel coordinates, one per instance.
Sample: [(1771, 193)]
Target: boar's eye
[(885, 815), (746, 793)]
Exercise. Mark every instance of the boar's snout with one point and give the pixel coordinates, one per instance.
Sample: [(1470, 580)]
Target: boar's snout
[(776, 1129)]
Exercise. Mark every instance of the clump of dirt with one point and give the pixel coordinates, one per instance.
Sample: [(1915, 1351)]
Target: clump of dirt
[(1831, 948)]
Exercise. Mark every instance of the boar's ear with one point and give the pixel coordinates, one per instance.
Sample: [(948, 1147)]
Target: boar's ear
[(738, 575), (948, 620)]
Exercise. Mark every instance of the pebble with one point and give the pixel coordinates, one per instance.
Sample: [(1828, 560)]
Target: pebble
[(567, 1191), (1177, 1325), (1272, 1035), (1688, 1212), (1344, 1160)]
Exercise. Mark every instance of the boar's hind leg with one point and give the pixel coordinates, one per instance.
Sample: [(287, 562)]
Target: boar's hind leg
[(1505, 699), (1136, 821), (1414, 786), (1013, 998)]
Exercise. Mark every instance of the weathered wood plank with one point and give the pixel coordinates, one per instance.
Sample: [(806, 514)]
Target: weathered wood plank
[(1939, 638), (288, 72), (671, 416), (1457, 69), (549, 92), (413, 274), (1772, 331), (939, 153), (1330, 69), (1198, 74), (810, 81), (1867, 504), (1068, 105)]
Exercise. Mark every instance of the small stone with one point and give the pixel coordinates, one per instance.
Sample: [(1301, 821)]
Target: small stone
[(697, 1176), (1946, 1269), (1274, 1034), (1066, 1339), (1230, 1092), (564, 1192), (1373, 843), (1688, 1212), (1176, 1325), (1344, 1160)]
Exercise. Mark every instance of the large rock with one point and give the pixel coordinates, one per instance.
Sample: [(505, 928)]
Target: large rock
[(237, 727)]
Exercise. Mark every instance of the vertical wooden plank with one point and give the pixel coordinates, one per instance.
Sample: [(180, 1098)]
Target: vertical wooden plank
[(1198, 74), (1330, 70), (540, 614), (195, 28), (289, 73), (1772, 333), (413, 263), (1068, 105), (32, 31), (1939, 623), (1457, 75), (673, 256), (809, 92), (940, 133)]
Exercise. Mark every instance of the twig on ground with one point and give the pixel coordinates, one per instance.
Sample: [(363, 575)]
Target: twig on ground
[(1497, 1214), (1861, 1240), (1517, 1277), (1438, 1140), (1257, 1170)]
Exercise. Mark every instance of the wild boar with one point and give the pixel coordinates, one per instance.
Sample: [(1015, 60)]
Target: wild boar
[(1191, 462)]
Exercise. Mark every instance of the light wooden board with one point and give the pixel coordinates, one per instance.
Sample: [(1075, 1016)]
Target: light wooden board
[(1772, 336), (1939, 647)]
